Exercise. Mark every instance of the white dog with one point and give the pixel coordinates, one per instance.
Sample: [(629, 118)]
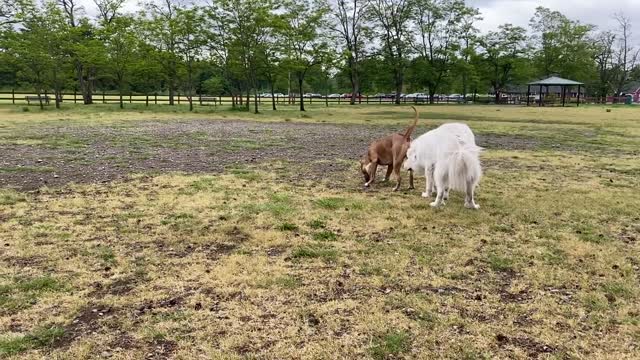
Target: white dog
[(448, 156)]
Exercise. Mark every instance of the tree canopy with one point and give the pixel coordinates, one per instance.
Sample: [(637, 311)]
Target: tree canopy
[(242, 48)]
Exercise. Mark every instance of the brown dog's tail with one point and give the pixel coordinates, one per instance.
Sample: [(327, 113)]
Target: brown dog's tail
[(407, 134)]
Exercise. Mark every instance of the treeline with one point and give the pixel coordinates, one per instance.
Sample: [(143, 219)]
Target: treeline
[(243, 47)]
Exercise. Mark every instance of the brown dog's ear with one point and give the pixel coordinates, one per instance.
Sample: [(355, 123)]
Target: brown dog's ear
[(407, 134)]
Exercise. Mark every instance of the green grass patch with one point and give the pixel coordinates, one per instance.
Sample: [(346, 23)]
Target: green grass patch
[(315, 251), (325, 235), (288, 227), (330, 203), (245, 174), (22, 293), (39, 338), (588, 233), (618, 290), (204, 184), (284, 282), (317, 224), (11, 197), (391, 345), (500, 263)]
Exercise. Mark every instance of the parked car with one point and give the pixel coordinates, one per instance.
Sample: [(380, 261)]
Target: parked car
[(379, 96), (334, 96), (416, 97), (312, 95)]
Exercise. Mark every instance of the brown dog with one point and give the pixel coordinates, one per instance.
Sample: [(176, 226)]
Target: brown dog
[(391, 151)]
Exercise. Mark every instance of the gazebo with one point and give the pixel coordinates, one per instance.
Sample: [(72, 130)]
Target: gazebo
[(554, 81)]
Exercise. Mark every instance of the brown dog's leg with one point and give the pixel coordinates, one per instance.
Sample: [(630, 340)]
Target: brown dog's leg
[(411, 180), (372, 173), (388, 175), (396, 172), (364, 169)]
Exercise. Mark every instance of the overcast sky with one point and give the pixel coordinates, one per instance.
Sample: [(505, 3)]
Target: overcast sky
[(518, 12)]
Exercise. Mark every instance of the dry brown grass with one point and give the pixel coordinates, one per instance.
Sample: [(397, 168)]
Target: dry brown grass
[(244, 265)]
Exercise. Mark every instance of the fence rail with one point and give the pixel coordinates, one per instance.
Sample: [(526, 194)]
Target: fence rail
[(27, 98), (20, 98)]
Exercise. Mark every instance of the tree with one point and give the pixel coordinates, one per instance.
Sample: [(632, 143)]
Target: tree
[(108, 10), (248, 25), (564, 47), (469, 41), (439, 27), (626, 56), (271, 64), (11, 11), (83, 47), (305, 45), (39, 50), (160, 32), (352, 28), (604, 60), (121, 45), (504, 49), (189, 41), (392, 18)]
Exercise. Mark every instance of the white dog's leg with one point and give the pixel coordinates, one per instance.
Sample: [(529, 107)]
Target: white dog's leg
[(439, 175), (428, 176), (469, 201)]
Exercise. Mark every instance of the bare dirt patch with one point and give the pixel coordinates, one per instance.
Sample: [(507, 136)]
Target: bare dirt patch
[(97, 154)]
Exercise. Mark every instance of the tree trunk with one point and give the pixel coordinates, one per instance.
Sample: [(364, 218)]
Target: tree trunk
[(464, 88), (90, 86), (172, 81), (121, 102), (354, 81), (40, 98), (273, 98), (248, 104), (399, 80), (58, 95), (497, 97), (300, 80), (190, 87), (255, 101)]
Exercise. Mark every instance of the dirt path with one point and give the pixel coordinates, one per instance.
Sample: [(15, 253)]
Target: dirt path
[(55, 156)]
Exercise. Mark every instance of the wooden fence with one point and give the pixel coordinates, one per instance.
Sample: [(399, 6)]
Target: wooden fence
[(24, 98)]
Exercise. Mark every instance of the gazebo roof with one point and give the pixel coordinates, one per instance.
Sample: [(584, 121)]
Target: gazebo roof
[(557, 81)]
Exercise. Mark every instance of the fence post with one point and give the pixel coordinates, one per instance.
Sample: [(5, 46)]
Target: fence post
[(103, 100), (359, 99), (130, 100), (75, 96), (178, 98), (155, 98), (339, 98), (13, 96), (147, 100)]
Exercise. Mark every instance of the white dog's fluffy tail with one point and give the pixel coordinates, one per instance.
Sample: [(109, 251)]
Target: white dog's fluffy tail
[(464, 166)]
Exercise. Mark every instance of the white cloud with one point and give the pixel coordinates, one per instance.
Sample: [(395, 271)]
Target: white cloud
[(517, 12)]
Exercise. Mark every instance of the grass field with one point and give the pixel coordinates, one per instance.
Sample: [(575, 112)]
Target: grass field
[(159, 233)]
